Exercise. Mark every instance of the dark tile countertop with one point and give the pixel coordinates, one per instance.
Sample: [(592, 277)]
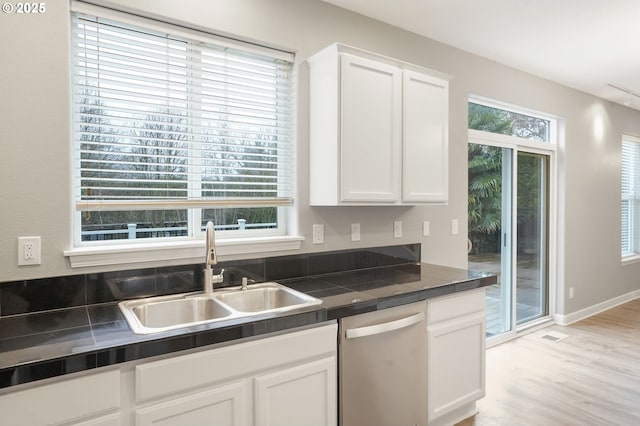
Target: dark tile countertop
[(53, 343)]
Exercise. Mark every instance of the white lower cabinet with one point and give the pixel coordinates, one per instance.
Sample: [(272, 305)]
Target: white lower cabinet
[(288, 379), (300, 395), (456, 356)]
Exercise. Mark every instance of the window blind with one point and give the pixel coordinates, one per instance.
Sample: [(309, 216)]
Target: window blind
[(630, 207), (164, 121)]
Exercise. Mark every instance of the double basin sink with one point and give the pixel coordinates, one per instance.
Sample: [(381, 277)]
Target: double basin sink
[(162, 313)]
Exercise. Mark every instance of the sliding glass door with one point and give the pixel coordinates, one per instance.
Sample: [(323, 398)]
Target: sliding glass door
[(532, 282), (509, 232), (490, 218), (511, 153)]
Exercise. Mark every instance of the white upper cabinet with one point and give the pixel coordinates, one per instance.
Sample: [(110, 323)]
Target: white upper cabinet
[(370, 105), (379, 130), (425, 147)]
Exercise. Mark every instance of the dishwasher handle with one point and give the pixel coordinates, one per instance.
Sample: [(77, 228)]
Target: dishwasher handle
[(371, 330)]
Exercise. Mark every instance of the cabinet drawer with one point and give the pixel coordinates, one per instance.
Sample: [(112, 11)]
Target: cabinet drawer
[(62, 401), (456, 305)]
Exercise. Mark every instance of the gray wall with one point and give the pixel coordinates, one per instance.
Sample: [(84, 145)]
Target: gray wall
[(35, 195)]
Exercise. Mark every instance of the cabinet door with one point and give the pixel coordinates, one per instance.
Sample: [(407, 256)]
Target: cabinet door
[(456, 359), (221, 406), (301, 395), (370, 130), (425, 154)]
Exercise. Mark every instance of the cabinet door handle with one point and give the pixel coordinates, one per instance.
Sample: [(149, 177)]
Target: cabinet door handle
[(354, 333)]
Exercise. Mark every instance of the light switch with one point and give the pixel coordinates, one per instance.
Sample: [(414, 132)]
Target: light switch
[(426, 228), (355, 232), (318, 234), (397, 229), (454, 227)]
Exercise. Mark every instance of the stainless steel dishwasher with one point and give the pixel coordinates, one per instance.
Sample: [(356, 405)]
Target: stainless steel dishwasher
[(383, 367)]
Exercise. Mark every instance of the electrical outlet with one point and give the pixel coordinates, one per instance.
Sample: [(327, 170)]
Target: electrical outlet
[(318, 234), (28, 251), (570, 292), (397, 229), (426, 228), (355, 232)]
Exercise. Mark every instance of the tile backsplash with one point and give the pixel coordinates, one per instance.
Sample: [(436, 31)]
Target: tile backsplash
[(28, 296)]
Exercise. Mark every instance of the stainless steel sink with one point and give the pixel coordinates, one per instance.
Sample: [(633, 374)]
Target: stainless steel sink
[(162, 313), (155, 314), (266, 297)]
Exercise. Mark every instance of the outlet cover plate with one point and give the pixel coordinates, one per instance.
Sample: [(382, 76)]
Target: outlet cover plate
[(29, 251)]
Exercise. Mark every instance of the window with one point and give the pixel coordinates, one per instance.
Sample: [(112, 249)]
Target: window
[(630, 205), (173, 128), (502, 121)]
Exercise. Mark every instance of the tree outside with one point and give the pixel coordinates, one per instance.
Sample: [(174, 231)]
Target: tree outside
[(485, 174)]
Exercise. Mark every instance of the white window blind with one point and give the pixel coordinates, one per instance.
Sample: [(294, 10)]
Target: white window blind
[(630, 207), (177, 129)]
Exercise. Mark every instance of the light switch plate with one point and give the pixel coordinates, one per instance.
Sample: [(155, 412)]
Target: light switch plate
[(454, 227), (318, 234), (426, 228), (397, 229), (355, 232)]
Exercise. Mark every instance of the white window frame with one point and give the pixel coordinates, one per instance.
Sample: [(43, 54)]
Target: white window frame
[(554, 132), (632, 256), (183, 249)]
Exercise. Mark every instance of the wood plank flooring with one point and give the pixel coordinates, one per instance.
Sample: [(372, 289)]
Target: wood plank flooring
[(590, 377)]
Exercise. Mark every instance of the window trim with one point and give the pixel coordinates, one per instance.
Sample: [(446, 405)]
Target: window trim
[(186, 251), (189, 249), (632, 257)]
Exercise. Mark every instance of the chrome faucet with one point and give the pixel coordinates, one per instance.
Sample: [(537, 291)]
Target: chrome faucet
[(210, 260)]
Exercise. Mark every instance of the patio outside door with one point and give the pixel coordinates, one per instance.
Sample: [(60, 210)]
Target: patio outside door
[(509, 233)]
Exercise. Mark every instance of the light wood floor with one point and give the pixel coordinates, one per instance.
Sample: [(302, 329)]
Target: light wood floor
[(591, 377)]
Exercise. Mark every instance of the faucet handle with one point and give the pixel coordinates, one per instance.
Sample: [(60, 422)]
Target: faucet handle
[(218, 278)]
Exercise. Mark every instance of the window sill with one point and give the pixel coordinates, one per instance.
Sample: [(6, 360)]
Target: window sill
[(186, 251), (631, 259)]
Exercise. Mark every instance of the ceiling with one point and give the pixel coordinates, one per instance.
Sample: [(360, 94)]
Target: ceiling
[(585, 44)]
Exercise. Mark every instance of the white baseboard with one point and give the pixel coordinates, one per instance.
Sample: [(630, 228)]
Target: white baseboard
[(596, 309)]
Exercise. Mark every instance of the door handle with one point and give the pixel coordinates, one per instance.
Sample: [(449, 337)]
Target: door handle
[(354, 333)]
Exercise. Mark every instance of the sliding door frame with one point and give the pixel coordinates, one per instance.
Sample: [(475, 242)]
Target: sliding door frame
[(518, 145)]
